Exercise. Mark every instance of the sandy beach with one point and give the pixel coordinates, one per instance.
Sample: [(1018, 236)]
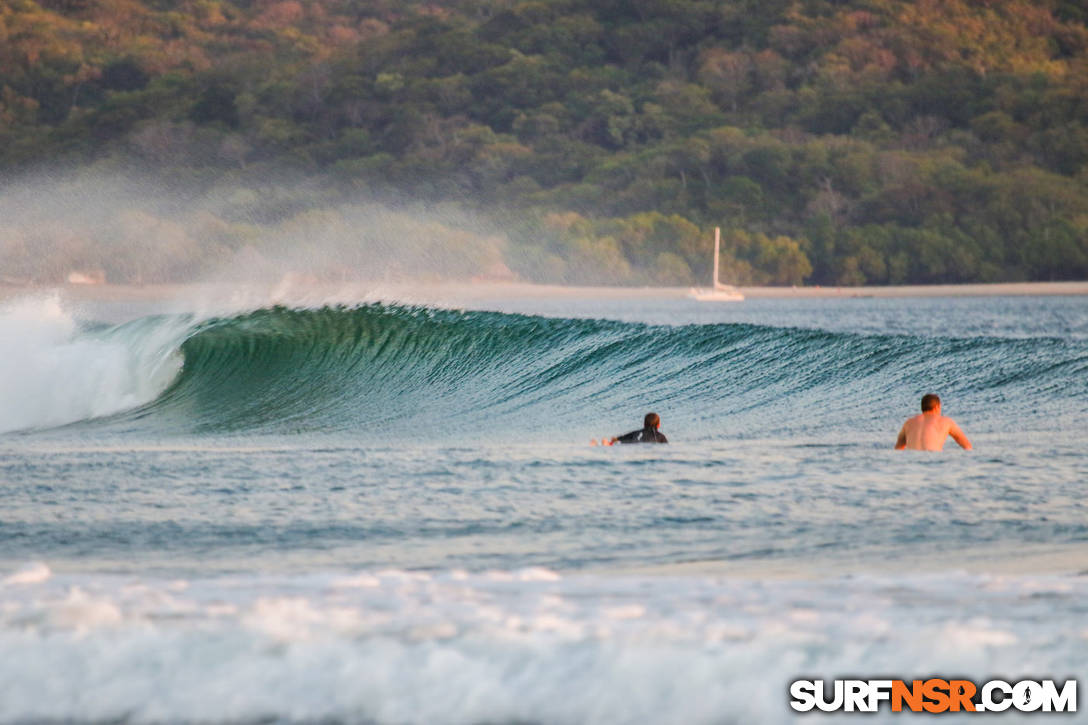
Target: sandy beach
[(425, 292)]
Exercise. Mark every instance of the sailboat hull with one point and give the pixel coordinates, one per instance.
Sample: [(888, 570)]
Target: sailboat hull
[(717, 295)]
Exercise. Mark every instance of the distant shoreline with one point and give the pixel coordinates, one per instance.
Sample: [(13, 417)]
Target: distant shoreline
[(424, 291), (1000, 289)]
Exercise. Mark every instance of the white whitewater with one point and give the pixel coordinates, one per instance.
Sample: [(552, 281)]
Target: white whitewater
[(525, 645), (53, 373)]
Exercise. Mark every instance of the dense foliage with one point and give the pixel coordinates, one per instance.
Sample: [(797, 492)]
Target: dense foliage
[(835, 141)]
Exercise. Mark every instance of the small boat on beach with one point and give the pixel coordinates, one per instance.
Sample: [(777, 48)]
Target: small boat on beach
[(719, 292)]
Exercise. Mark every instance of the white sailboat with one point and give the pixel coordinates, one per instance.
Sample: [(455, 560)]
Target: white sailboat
[(720, 292)]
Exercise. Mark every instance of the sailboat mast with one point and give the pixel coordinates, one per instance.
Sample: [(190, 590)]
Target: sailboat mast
[(717, 244), (718, 292)]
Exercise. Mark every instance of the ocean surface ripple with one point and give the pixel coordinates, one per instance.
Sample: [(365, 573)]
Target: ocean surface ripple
[(389, 513)]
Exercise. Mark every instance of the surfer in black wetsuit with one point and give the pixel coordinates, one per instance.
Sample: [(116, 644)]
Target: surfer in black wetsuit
[(648, 434)]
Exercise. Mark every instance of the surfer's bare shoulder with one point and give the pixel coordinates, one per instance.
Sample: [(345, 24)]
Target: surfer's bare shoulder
[(928, 431)]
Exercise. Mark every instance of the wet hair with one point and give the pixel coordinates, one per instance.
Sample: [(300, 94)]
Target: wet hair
[(652, 420), (930, 401)]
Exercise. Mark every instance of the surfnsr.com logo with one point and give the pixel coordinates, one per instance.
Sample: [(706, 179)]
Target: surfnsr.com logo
[(933, 695)]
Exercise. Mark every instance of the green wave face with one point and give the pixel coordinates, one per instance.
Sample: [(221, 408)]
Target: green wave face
[(388, 372), (394, 369)]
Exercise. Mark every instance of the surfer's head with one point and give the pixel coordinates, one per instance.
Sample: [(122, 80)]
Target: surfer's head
[(652, 420), (930, 401)]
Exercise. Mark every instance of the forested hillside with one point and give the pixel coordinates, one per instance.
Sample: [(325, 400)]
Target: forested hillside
[(836, 142)]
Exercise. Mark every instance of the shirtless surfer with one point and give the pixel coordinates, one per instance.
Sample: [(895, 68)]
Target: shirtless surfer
[(928, 431)]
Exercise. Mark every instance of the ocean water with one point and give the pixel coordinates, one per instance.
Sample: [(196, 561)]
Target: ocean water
[(392, 513)]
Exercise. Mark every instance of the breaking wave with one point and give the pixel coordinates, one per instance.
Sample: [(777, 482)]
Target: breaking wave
[(450, 374)]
